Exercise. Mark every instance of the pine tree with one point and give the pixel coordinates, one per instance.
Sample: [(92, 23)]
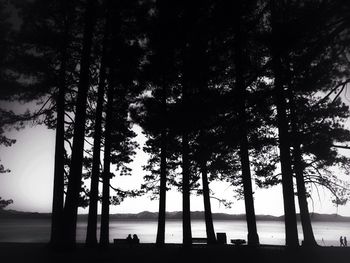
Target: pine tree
[(74, 184), (91, 237)]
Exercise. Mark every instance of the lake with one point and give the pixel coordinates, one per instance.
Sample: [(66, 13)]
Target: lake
[(270, 232)]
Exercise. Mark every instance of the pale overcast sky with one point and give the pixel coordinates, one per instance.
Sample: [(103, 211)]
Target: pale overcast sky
[(31, 180)]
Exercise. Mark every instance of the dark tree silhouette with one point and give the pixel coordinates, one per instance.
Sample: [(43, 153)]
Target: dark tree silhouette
[(58, 188), (253, 238), (123, 65), (161, 41), (104, 234), (185, 165), (283, 130), (75, 175), (309, 239), (91, 235)]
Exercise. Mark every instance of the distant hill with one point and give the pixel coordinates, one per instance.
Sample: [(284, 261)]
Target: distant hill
[(20, 214), (196, 215)]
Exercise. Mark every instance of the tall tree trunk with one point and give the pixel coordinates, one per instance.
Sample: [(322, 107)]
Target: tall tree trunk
[(58, 186), (186, 210), (209, 226), (74, 183), (104, 234), (285, 159), (253, 238), (91, 235), (309, 238), (283, 136), (186, 194), (163, 174)]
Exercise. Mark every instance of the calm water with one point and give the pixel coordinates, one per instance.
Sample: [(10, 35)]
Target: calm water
[(270, 232)]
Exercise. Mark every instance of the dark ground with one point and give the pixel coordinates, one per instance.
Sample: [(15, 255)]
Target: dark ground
[(38, 253)]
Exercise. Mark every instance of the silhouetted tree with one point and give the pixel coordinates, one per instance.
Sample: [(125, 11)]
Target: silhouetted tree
[(283, 129), (74, 183), (162, 61), (104, 234), (91, 238), (37, 69), (58, 190), (240, 64), (123, 65), (189, 19)]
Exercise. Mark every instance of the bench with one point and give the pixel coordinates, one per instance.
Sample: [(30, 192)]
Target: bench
[(199, 240), (238, 242)]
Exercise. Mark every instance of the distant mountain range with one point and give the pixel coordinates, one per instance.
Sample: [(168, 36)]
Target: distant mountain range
[(145, 215)]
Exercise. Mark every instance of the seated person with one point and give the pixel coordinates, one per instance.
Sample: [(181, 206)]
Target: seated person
[(135, 239), (129, 239)]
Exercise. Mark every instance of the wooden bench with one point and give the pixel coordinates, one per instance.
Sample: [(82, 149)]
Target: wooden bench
[(238, 242), (199, 240)]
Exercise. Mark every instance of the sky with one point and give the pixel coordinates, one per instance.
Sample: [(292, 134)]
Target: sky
[(30, 183)]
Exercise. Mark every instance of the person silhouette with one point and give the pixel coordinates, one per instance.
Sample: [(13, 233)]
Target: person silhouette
[(341, 241), (345, 242), (129, 239), (135, 239)]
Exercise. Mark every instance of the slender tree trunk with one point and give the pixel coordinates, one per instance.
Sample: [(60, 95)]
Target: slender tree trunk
[(285, 159), (186, 210), (58, 187), (186, 194), (74, 183), (209, 226), (104, 234), (283, 136), (309, 238), (91, 235), (163, 174), (253, 238)]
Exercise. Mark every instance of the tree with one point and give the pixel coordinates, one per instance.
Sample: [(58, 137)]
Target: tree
[(240, 63), (91, 238), (35, 69), (74, 184), (187, 85), (104, 234), (309, 239), (283, 130), (159, 77), (163, 49), (123, 65), (58, 190)]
